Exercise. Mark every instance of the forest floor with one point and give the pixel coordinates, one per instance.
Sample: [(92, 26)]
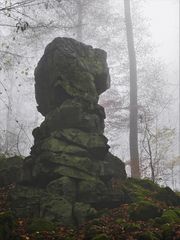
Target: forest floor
[(114, 224)]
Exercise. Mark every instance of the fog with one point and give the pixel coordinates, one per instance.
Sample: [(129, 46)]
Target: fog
[(27, 29), (164, 26)]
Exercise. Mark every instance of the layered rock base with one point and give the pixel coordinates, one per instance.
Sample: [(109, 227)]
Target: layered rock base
[(70, 172)]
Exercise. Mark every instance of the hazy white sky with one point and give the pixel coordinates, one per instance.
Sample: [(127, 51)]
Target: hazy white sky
[(164, 26), (164, 21)]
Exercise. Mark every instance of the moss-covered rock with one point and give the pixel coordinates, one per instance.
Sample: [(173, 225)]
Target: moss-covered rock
[(168, 196), (120, 221), (167, 231), (7, 162), (10, 170), (144, 210), (54, 145), (65, 187), (56, 209), (101, 236), (69, 69), (83, 212), (130, 227), (74, 114), (51, 166), (69, 162), (95, 143), (147, 236), (73, 173), (139, 189), (92, 191), (83, 164), (40, 225), (6, 225), (112, 167), (26, 201), (146, 184), (170, 216)]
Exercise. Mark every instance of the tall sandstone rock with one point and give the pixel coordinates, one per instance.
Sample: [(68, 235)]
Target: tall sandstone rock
[(70, 171)]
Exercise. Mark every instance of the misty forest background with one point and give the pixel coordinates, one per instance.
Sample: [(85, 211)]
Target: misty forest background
[(26, 27)]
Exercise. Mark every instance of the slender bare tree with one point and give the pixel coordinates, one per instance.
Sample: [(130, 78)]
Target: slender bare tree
[(133, 136)]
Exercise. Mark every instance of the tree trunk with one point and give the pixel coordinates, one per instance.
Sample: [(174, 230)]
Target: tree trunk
[(8, 133), (79, 21), (179, 124), (133, 136)]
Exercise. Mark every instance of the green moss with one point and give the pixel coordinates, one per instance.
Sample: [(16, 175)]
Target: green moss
[(96, 221), (120, 221), (131, 227), (177, 193), (139, 190), (80, 163), (113, 167), (56, 209), (135, 192), (101, 236), (10, 169), (147, 236), (24, 199), (167, 231), (82, 86), (73, 173), (92, 190), (6, 225), (170, 216), (177, 211), (65, 165), (10, 162), (64, 186), (74, 113), (93, 142), (40, 225), (144, 210), (168, 196), (83, 212), (146, 184), (55, 145)]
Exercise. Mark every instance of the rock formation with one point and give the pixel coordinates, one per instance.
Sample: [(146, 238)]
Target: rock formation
[(70, 170)]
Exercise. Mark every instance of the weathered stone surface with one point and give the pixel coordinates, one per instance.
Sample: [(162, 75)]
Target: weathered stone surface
[(65, 187), (70, 69), (70, 163), (112, 167), (92, 191), (74, 114), (49, 166), (56, 209), (10, 170), (26, 201), (57, 146), (94, 143), (7, 224), (167, 195), (83, 212)]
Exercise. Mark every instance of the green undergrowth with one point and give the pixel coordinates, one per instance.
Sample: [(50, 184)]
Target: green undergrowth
[(149, 212), (144, 189)]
